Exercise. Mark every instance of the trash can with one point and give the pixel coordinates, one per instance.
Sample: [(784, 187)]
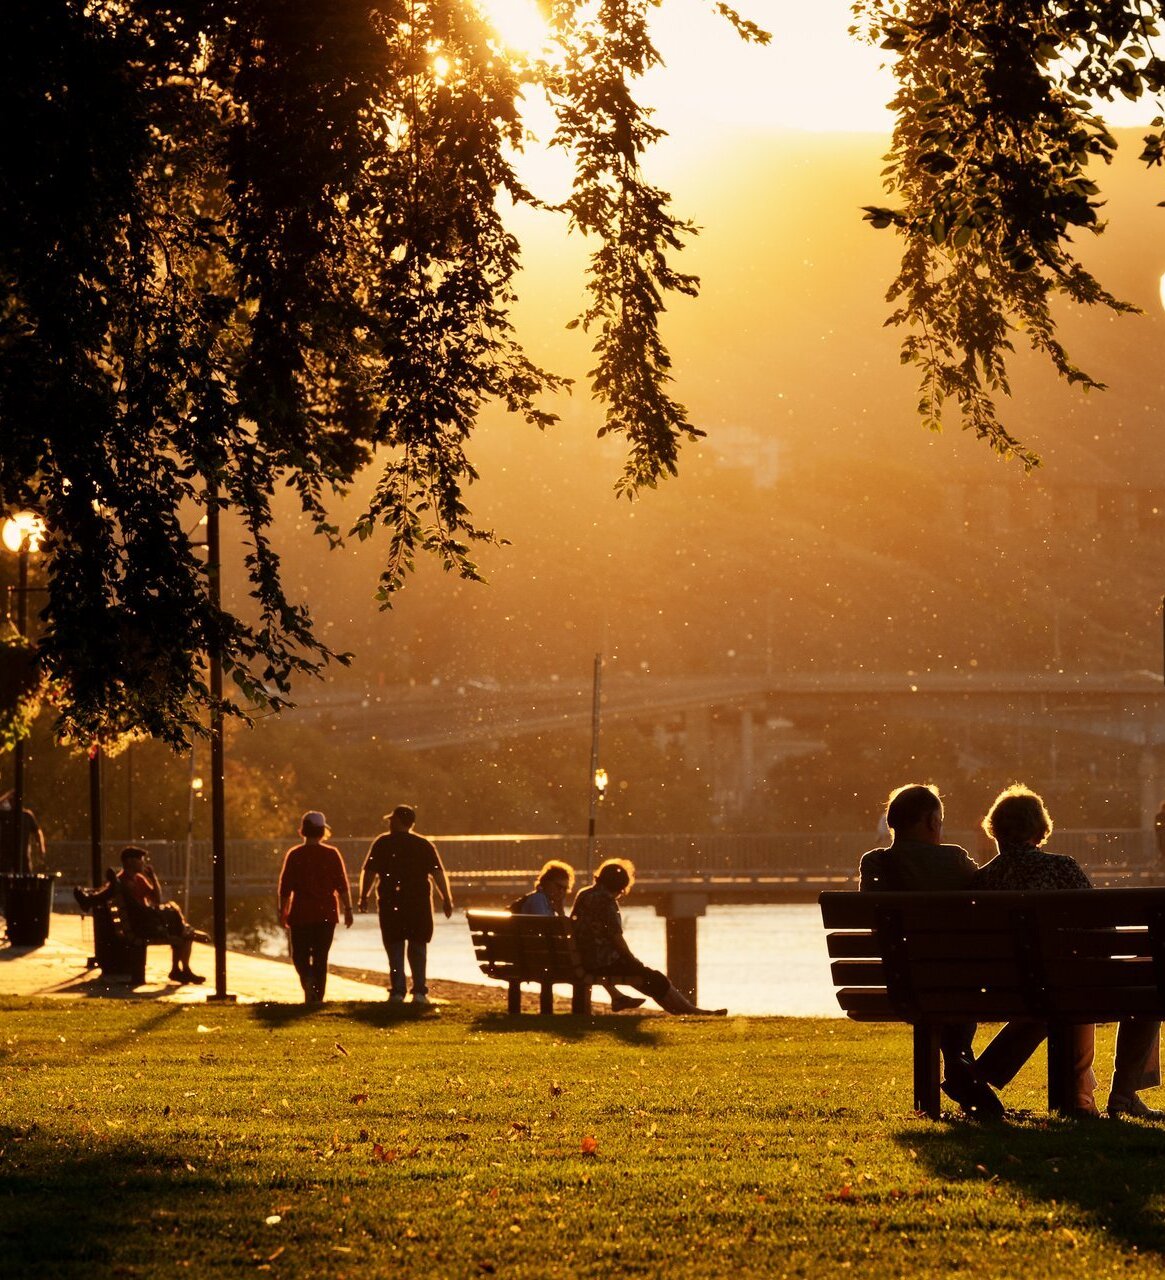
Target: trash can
[(28, 906)]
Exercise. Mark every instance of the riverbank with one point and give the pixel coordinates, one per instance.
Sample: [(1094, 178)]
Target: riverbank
[(351, 1141)]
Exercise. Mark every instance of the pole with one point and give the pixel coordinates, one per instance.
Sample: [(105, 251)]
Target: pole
[(189, 833), (95, 859), (18, 859), (217, 799), (596, 703)]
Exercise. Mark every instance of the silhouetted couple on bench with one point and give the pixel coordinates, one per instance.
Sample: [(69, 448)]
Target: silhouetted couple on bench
[(598, 934), (918, 861)]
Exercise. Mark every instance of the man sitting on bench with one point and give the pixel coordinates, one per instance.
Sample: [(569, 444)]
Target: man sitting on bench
[(150, 916), (918, 860)]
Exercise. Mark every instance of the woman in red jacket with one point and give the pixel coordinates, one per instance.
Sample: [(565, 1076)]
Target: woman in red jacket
[(312, 882)]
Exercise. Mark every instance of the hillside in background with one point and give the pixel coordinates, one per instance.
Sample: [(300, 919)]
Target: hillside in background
[(817, 527)]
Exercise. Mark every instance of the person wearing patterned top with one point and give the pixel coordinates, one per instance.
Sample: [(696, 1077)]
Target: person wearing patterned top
[(598, 934), (1020, 825)]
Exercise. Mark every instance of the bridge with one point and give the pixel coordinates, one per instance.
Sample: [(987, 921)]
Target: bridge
[(734, 727)]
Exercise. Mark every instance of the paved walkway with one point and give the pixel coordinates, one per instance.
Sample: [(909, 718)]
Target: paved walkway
[(58, 969)]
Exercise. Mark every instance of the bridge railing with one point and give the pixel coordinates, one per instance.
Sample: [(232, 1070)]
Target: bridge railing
[(256, 863)]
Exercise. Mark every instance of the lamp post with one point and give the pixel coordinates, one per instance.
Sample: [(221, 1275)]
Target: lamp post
[(22, 534), (217, 795), (598, 779)]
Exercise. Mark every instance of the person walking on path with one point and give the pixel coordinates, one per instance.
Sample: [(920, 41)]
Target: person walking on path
[(313, 885), (598, 933), (402, 864)]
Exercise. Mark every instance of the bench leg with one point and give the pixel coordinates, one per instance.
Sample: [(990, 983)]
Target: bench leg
[(1061, 1068), (514, 999), (546, 998), (580, 998), (926, 1070)]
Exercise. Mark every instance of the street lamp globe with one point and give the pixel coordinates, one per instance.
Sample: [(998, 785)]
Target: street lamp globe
[(23, 532)]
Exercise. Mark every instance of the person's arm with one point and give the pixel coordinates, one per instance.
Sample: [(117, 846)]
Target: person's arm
[(367, 880), (442, 882), (343, 889), (285, 891), (872, 872)]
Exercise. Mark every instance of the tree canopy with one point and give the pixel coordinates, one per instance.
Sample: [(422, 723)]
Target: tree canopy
[(249, 243)]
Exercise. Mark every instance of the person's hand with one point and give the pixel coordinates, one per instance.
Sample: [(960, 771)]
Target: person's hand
[(448, 908), (347, 917), (360, 906)]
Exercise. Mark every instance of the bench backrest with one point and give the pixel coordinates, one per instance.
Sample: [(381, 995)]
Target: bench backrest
[(1086, 955), (524, 948)]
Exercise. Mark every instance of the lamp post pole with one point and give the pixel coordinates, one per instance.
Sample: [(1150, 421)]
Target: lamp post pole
[(22, 534), (595, 793), (217, 798)]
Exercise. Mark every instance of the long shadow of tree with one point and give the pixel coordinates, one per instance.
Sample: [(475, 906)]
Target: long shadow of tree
[(1111, 1171)]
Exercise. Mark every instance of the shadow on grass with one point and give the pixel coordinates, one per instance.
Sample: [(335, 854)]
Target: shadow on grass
[(126, 1209), (369, 1013), (630, 1029), (1112, 1171)]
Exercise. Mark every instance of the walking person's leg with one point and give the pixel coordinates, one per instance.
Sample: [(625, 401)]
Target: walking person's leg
[(394, 948), (301, 954), (418, 966), (323, 946)]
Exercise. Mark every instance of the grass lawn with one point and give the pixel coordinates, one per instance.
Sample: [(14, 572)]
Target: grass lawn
[(161, 1140)]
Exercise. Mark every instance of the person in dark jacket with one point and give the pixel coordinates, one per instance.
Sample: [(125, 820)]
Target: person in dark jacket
[(917, 861), (403, 864)]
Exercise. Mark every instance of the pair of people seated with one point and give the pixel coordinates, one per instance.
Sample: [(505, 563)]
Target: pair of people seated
[(1019, 824), (598, 934), (150, 916)]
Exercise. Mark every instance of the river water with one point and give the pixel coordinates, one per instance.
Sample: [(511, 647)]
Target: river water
[(752, 959)]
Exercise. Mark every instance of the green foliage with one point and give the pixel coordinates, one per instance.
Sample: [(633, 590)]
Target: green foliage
[(258, 242), (22, 687), (347, 1140), (992, 148)]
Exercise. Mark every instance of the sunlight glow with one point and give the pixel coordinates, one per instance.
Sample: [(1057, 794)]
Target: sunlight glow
[(23, 531), (519, 23)]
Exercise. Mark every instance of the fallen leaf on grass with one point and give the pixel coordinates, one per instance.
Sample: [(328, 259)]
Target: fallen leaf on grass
[(272, 1256), (358, 1099), (588, 1147), (385, 1154), (342, 1050), (273, 1219), (206, 1030)]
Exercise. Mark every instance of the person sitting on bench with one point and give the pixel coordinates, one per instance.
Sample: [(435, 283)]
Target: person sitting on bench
[(555, 881), (1020, 825), (598, 934), (150, 916)]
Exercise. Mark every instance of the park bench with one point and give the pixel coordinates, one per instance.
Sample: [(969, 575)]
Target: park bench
[(1063, 957), (518, 949), (118, 949)]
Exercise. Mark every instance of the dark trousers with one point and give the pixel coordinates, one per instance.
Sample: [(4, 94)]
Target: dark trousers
[(956, 1042), (640, 978), (310, 944)]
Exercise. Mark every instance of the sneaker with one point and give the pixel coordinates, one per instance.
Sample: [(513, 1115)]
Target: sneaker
[(976, 1099), (621, 1003), (188, 975), (394, 997), (176, 975), (422, 1000), (1120, 1105)]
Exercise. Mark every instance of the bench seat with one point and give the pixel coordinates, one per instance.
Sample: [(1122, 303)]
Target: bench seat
[(1064, 957), (539, 949)]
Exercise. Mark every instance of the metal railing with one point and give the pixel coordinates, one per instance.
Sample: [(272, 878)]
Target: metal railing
[(256, 863)]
